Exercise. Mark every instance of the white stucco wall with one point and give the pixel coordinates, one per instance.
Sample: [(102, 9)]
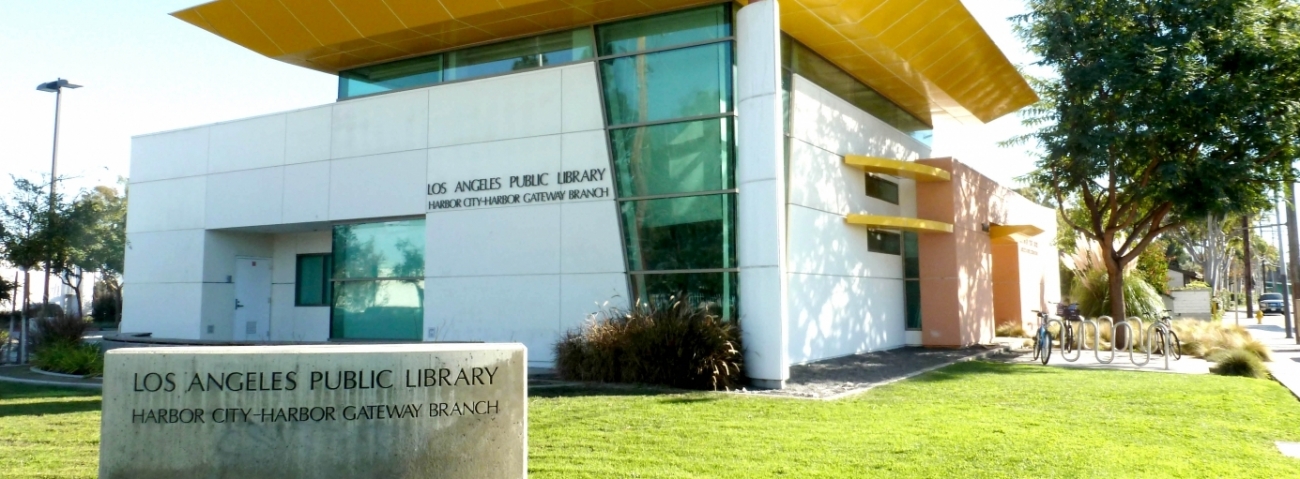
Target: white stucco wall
[(272, 186), (843, 299)]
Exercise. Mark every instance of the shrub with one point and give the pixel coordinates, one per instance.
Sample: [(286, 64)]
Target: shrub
[(103, 309), (675, 345), (70, 358), (1239, 362), (1207, 340), (1011, 330), (1259, 350), (58, 330)]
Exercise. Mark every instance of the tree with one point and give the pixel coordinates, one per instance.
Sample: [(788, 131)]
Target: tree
[(1161, 113), (90, 236)]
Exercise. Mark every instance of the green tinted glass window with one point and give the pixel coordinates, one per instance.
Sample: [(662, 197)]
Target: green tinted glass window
[(801, 60), (312, 285), (378, 281), (397, 75), (882, 189), (911, 256), (522, 54), (666, 85), (884, 242), (694, 232), (662, 31), (913, 291), (379, 250), (715, 291), (387, 310), (674, 158)]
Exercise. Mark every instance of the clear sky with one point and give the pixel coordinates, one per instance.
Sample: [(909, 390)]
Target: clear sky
[(145, 71)]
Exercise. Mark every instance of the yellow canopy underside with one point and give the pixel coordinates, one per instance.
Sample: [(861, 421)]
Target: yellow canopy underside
[(1013, 233), (897, 223), (899, 168), (929, 56)]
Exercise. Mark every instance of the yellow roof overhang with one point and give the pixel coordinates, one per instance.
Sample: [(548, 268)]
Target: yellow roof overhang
[(899, 168), (929, 56), (896, 223), (1013, 233)]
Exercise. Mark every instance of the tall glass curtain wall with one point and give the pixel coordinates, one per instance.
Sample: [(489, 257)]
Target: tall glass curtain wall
[(378, 281), (667, 82)]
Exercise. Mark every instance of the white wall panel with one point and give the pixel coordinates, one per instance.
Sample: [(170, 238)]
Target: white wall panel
[(586, 151), (247, 144), (498, 159), (822, 243), (590, 238), (832, 316), (173, 154), (306, 192), (581, 99), (380, 124), (307, 135), (164, 257), (218, 311), (512, 106), (220, 248), (170, 310), (833, 124), (584, 294), (245, 198), (166, 205), (378, 186), (472, 309), (494, 241), (283, 320)]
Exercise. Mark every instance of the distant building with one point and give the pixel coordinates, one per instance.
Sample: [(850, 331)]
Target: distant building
[(498, 171)]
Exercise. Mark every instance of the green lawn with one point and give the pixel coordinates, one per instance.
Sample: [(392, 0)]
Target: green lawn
[(970, 420)]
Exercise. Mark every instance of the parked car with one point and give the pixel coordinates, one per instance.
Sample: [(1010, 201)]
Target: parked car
[(1270, 303)]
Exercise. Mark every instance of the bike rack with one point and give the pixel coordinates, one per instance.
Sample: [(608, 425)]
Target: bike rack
[(1145, 336)]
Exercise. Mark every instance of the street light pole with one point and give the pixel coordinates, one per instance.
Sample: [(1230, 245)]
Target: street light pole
[(55, 87), (1281, 259)]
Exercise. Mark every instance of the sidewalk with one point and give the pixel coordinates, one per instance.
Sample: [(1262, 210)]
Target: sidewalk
[(1285, 366), (24, 375)]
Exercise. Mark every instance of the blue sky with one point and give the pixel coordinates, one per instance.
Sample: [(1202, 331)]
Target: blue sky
[(145, 71)]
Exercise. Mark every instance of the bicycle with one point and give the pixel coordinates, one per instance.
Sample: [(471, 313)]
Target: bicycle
[(1069, 314), (1042, 339), (1168, 339)]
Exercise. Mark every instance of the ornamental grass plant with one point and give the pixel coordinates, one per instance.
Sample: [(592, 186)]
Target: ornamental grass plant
[(1239, 362), (70, 358), (675, 344), (58, 329), (1208, 339)]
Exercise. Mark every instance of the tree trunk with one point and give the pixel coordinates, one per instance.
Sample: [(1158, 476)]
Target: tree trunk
[(1293, 244), (1246, 271), (1115, 280)]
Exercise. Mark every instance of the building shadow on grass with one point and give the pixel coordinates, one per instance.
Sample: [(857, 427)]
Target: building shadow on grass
[(50, 408)]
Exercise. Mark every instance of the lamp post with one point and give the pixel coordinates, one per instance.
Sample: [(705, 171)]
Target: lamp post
[(56, 87)]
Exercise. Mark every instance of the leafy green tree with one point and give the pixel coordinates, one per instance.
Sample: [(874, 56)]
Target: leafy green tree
[(92, 238), (1160, 113)]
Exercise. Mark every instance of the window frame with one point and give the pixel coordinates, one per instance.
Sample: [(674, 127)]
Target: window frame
[(873, 179), (871, 246), (327, 285)]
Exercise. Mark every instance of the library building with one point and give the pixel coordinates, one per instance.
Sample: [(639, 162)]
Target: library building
[(501, 170)]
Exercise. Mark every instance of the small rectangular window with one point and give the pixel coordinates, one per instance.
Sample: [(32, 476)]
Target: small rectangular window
[(313, 285), (884, 242), (882, 189)]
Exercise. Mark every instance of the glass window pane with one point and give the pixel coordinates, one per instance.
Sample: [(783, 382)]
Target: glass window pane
[(715, 291), (662, 31), (801, 60), (397, 75), (674, 158), (313, 279), (911, 255), (913, 291), (522, 54), (379, 250), (666, 85), (882, 189), (389, 310), (884, 242), (694, 232)]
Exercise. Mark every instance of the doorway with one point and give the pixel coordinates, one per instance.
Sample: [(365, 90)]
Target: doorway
[(252, 299)]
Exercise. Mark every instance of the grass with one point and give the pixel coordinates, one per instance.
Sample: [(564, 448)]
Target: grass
[(975, 419), (47, 432)]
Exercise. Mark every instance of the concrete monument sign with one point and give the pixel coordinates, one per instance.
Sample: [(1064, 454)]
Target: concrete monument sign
[(286, 412)]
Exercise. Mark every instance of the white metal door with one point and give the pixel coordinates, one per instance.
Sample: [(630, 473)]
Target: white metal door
[(252, 299)]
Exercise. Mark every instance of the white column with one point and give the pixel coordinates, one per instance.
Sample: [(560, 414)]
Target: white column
[(761, 208)]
